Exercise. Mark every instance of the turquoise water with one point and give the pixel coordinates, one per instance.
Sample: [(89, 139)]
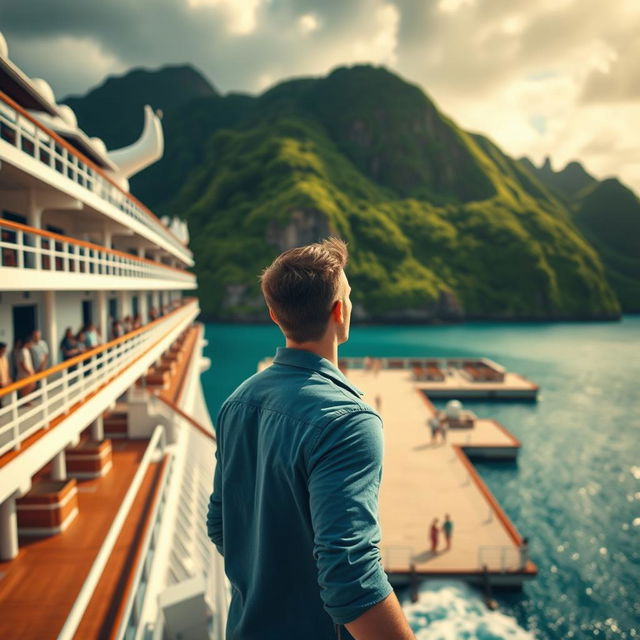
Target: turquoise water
[(575, 491)]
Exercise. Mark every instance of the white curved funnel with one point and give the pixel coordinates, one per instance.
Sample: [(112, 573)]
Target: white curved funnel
[(144, 151)]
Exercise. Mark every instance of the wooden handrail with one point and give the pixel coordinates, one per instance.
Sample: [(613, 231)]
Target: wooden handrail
[(18, 226), (186, 416), (76, 152), (14, 386)]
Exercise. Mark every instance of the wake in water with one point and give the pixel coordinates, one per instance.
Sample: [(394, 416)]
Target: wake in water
[(449, 610)]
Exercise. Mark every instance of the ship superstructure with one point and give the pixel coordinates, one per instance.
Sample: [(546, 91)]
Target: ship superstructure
[(106, 445)]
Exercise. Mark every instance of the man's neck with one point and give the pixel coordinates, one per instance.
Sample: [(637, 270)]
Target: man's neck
[(327, 349)]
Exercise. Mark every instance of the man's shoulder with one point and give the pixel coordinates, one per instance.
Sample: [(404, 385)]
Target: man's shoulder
[(302, 395)]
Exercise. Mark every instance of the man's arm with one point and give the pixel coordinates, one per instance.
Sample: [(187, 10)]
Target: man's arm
[(384, 621), (214, 515), (344, 476)]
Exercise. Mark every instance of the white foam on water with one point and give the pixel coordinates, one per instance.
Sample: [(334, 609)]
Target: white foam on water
[(449, 610)]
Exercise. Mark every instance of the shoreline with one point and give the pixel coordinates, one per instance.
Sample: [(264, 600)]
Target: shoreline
[(410, 322)]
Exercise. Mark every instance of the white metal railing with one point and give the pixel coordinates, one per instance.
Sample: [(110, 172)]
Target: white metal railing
[(20, 131), (135, 599), (502, 558), (22, 414), (24, 247), (86, 592)]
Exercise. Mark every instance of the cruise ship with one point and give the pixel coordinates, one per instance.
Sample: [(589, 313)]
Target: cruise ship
[(106, 444)]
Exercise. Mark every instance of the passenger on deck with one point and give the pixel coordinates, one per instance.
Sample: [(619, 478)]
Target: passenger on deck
[(5, 374), (294, 509), (69, 345), (39, 352), (116, 328), (81, 340), (25, 366), (91, 336), (13, 358)]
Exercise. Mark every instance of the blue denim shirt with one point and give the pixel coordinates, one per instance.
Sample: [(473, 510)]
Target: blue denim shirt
[(294, 509)]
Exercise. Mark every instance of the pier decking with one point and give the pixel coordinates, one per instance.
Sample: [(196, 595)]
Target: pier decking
[(423, 481), (459, 378)]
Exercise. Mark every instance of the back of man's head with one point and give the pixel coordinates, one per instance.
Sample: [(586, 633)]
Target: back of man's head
[(302, 285)]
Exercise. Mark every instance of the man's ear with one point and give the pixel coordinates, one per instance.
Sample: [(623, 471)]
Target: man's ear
[(272, 315), (336, 312)]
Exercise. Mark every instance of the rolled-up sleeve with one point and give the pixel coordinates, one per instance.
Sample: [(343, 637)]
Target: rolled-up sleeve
[(345, 468), (214, 514)]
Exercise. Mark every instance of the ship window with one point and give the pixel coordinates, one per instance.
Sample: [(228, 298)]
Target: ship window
[(27, 146), (7, 133), (45, 156)]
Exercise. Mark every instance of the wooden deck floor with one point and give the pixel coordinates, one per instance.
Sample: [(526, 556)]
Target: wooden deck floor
[(422, 481), (38, 588)]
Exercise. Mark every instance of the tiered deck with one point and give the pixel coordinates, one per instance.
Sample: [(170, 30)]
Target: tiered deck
[(423, 481), (38, 588)]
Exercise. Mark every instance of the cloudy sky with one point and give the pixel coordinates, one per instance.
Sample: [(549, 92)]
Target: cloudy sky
[(556, 77)]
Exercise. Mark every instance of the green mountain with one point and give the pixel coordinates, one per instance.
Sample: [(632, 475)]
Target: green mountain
[(441, 224), (567, 183), (608, 215), (114, 109)]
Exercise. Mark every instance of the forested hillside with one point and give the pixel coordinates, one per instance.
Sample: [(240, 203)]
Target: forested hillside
[(441, 223)]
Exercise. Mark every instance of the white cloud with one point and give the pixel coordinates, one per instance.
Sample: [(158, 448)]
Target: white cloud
[(96, 63), (241, 15), (556, 77), (452, 6), (308, 22)]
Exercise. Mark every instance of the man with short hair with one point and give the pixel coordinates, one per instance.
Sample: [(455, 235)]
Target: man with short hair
[(294, 509)]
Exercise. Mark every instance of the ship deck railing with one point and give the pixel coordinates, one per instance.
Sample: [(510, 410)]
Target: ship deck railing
[(156, 444), (70, 383), (25, 247), (26, 134)]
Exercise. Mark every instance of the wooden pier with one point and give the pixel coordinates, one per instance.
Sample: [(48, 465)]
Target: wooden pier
[(459, 378), (423, 480)]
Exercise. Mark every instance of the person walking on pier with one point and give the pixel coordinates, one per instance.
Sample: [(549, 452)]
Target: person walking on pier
[(294, 507), (447, 529), (434, 535), (443, 426), (434, 425)]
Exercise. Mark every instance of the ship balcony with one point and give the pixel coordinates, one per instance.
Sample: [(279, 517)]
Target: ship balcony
[(33, 259), (33, 154), (62, 400)]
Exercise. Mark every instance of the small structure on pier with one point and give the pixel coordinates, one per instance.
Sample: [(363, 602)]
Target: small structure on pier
[(459, 378)]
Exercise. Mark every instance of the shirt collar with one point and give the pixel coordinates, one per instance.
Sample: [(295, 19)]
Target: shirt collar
[(309, 360)]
